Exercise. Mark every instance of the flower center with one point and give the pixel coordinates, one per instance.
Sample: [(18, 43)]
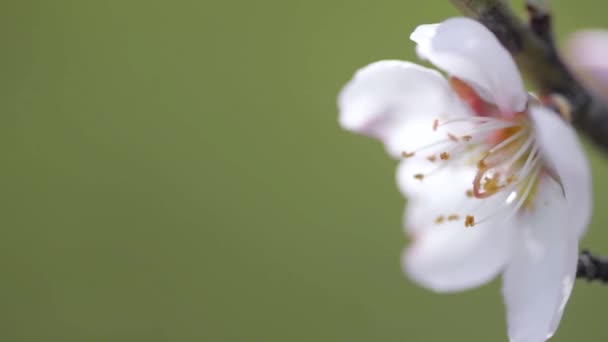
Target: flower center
[(505, 155)]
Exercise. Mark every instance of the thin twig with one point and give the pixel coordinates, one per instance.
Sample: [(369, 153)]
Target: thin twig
[(592, 267), (534, 52), (539, 19)]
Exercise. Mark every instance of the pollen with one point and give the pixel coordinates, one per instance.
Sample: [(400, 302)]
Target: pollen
[(435, 124), (467, 138), (407, 154), (444, 156), (469, 221), (453, 217), (439, 219), (432, 158), (419, 176), (491, 185)]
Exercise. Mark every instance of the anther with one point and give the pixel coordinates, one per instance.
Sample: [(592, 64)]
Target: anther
[(467, 138), (469, 221), (481, 164), (490, 185), (453, 137), (432, 159), (453, 217), (469, 193), (419, 176), (435, 124), (439, 219), (444, 156), (407, 154)]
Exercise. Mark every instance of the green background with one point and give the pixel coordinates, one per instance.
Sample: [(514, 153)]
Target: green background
[(174, 171)]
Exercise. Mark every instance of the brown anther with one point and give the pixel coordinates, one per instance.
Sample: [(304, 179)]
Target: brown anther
[(453, 137), (439, 219), (453, 217), (491, 185), (467, 138), (419, 176), (435, 124), (444, 156), (510, 179), (407, 154), (481, 164), (469, 193), (432, 159), (469, 221)]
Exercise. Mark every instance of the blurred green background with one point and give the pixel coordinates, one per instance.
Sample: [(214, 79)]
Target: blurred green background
[(174, 171)]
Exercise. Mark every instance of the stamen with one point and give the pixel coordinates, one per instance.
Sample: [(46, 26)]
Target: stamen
[(520, 152), (488, 125), (435, 124), (407, 154), (481, 124), (524, 196), (469, 193), (444, 156), (467, 138), (530, 163), (419, 176), (453, 217), (469, 221), (491, 185), (472, 119), (507, 141), (513, 195), (439, 219), (432, 159)]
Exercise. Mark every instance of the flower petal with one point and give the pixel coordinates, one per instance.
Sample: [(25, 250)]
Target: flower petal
[(562, 151), (449, 257), (444, 186), (539, 278), (445, 255), (587, 55), (391, 100), (466, 49)]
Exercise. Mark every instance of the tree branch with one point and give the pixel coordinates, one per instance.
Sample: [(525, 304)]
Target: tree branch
[(534, 52), (592, 267), (539, 19)]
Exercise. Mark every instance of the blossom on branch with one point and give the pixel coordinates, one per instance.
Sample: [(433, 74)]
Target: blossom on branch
[(495, 182), (587, 55)]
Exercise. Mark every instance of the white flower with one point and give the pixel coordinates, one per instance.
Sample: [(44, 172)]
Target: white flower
[(494, 181), (587, 55)]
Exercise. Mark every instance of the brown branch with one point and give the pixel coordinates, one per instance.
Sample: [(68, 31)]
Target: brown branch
[(534, 52), (592, 268), (539, 19)]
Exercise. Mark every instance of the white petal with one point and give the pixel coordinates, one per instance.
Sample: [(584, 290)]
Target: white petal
[(449, 257), (445, 255), (466, 49), (562, 151), (443, 186), (539, 278), (391, 100), (587, 55)]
